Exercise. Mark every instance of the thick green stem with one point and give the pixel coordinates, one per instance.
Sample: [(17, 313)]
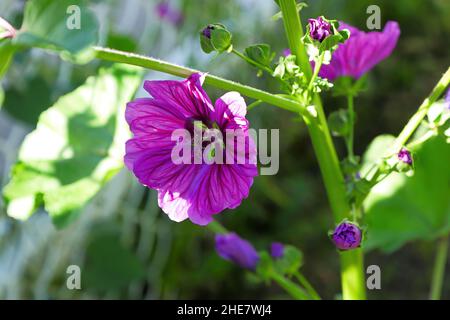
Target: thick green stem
[(439, 269), (351, 120), (352, 273), (176, 70), (294, 32)]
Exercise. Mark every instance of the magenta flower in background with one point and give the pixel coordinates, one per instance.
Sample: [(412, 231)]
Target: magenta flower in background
[(166, 12), (277, 250), (361, 52), (347, 236), (233, 248), (319, 29), (194, 191)]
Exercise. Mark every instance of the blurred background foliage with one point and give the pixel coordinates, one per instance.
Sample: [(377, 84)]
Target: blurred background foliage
[(127, 248)]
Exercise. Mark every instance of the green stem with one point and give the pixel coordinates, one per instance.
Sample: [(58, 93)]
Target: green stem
[(439, 269), (417, 118), (351, 120), (294, 33), (252, 62), (176, 70), (253, 105), (352, 273), (290, 287), (216, 227), (309, 288)]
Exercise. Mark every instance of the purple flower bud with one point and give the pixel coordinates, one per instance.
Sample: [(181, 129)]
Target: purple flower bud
[(405, 156), (347, 236), (447, 100), (319, 29), (277, 250), (207, 31), (286, 52), (232, 248)]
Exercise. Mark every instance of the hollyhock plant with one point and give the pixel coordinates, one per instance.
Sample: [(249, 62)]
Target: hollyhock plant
[(361, 52), (233, 248), (194, 191), (347, 236)]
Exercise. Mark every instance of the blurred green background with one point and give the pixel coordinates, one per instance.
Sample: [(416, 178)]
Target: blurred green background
[(127, 248)]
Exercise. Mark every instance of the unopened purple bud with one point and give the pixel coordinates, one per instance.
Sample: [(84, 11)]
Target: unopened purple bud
[(347, 236), (277, 250), (319, 29), (286, 52), (447, 100), (233, 248), (405, 156), (207, 31)]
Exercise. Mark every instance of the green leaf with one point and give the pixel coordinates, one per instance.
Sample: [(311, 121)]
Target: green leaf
[(260, 53), (264, 269), (339, 123), (50, 24), (401, 209), (77, 147), (6, 54), (291, 261), (376, 150), (279, 15)]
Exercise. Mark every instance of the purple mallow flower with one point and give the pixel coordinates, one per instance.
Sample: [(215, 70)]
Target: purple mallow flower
[(286, 52), (277, 250), (347, 236), (194, 191), (319, 29), (233, 248), (166, 12), (361, 52), (405, 156)]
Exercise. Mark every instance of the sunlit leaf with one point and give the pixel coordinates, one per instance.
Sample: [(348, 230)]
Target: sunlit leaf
[(76, 148), (67, 26), (402, 208)]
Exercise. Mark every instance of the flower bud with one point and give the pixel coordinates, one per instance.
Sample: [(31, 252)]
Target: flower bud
[(215, 37), (319, 29), (405, 156), (233, 248), (347, 236), (276, 250)]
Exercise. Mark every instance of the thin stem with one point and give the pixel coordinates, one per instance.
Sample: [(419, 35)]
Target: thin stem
[(252, 62), (176, 70), (352, 275), (216, 227), (317, 67), (439, 269), (417, 118), (351, 120), (253, 105), (309, 288), (294, 290)]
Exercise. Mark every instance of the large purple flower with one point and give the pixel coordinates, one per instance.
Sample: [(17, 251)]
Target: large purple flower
[(361, 52), (189, 190), (233, 248)]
